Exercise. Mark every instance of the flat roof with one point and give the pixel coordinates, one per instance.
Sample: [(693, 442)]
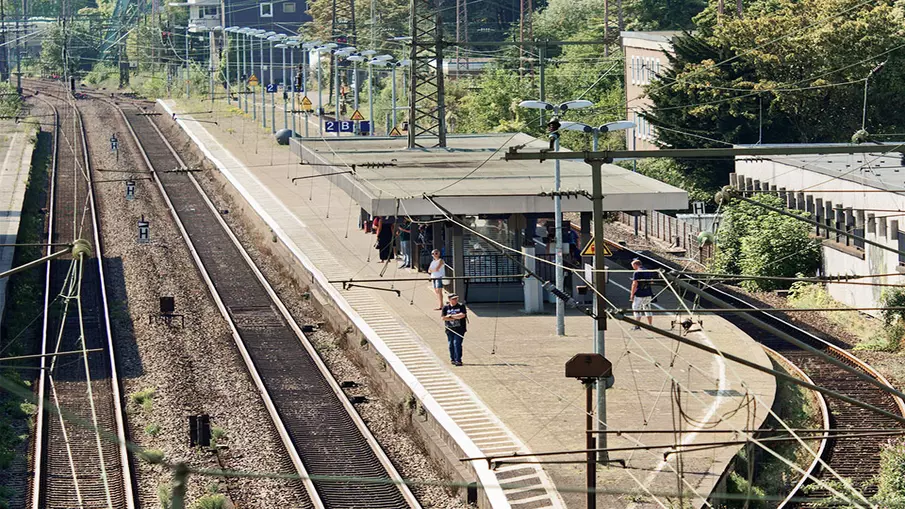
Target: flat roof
[(875, 170), (469, 177)]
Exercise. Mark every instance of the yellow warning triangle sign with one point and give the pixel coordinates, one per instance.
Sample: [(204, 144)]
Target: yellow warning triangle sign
[(357, 116), (306, 101), (253, 81), (589, 249), (395, 132)]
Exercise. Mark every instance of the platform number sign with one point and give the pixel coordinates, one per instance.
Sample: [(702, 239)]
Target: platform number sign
[(272, 88), (346, 126), (130, 190), (144, 231)]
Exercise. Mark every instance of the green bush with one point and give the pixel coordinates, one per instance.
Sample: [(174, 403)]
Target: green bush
[(152, 429), (143, 398), (754, 241), (891, 478), (215, 501)]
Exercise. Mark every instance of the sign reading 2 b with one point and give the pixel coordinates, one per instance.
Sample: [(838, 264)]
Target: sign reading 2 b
[(346, 126)]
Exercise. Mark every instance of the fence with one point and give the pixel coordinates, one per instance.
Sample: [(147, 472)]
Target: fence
[(501, 265), (678, 233)]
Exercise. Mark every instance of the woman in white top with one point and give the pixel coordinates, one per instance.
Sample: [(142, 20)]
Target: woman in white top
[(437, 271)]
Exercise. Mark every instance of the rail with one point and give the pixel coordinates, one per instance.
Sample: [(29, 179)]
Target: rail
[(342, 445)]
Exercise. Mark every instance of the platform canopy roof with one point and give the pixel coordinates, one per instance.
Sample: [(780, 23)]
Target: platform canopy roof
[(470, 177)]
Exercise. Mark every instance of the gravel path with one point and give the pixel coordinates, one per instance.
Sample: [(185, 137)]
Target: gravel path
[(190, 370), (383, 417)]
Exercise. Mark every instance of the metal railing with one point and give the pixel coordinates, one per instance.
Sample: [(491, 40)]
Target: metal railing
[(678, 233)]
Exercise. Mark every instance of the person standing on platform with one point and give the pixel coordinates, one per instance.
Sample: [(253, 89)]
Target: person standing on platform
[(405, 237), (641, 293), (385, 238), (437, 272), (454, 317)]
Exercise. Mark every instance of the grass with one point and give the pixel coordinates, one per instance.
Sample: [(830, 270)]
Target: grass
[(797, 407), (143, 398), (214, 501), (152, 429), (21, 328), (859, 325), (217, 434)]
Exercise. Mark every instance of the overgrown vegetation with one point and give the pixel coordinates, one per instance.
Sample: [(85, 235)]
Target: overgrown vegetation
[(218, 434), (212, 501), (21, 326), (756, 242), (797, 407), (143, 398)]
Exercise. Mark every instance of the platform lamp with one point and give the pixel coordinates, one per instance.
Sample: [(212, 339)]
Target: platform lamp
[(307, 48), (282, 46), (401, 63), (328, 47), (274, 37), (369, 54), (226, 32), (355, 59), (553, 126), (263, 35), (599, 338), (210, 66), (343, 52), (293, 43), (245, 54), (375, 61)]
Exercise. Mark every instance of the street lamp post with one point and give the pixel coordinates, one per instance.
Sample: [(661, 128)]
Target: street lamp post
[(339, 53), (262, 35), (187, 72), (283, 47), (393, 89), (558, 109), (355, 59), (273, 106), (306, 54), (320, 97), (253, 34), (599, 331), (293, 44), (870, 75)]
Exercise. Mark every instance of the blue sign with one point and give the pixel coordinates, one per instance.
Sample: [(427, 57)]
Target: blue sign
[(299, 89), (272, 88), (346, 126)]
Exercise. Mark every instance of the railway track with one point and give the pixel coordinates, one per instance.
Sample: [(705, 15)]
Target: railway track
[(76, 461), (340, 462), (857, 460)]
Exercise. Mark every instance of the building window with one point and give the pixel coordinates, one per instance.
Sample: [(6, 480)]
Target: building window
[(209, 11), (288, 7), (633, 70), (267, 10)]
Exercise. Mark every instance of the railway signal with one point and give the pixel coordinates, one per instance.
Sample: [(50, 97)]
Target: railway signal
[(114, 145), (144, 231)]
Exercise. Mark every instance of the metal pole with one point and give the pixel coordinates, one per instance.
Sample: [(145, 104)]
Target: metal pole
[(254, 100), (186, 62), (599, 302), (355, 93), (589, 443), (305, 55), (292, 93), (864, 112), (273, 105), (371, 99), (393, 96), (210, 67), (541, 56), (320, 97), (285, 91), (560, 274), (244, 88), (263, 91), (229, 99), (596, 136), (336, 92)]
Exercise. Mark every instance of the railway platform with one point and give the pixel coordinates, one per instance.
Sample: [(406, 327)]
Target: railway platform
[(16, 148), (510, 396)]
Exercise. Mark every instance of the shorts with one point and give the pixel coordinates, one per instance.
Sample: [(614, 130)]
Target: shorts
[(641, 306), (437, 282)]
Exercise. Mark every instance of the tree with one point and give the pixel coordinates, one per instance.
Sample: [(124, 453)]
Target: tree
[(754, 241), (780, 67), (662, 14)]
